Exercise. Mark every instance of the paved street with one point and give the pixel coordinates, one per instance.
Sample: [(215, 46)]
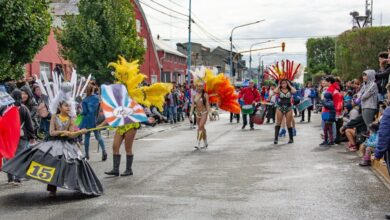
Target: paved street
[(241, 176)]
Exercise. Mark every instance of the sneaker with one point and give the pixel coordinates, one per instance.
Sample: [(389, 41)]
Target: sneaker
[(331, 144), (252, 128), (16, 182), (243, 127), (365, 163), (325, 143)]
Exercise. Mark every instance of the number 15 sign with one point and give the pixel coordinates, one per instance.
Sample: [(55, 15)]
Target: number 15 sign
[(40, 172)]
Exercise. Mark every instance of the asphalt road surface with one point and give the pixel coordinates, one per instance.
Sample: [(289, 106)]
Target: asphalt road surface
[(241, 176)]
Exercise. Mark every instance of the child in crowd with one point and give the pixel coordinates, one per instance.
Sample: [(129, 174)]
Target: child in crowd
[(328, 118), (369, 145)]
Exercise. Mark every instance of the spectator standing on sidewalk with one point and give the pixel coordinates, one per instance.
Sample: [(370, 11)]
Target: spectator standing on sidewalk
[(43, 111), (368, 96), (383, 145), (249, 96), (173, 101), (307, 96), (90, 106)]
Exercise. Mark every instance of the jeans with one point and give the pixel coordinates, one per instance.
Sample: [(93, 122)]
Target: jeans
[(172, 113), (328, 132), (98, 138)]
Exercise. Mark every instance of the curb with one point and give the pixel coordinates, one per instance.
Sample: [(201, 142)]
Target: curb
[(379, 168)]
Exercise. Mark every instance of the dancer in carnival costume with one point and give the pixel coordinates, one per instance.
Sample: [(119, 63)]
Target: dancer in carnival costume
[(284, 74), (58, 162), (211, 89), (128, 77)]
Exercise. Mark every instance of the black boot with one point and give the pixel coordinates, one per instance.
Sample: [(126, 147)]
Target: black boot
[(116, 163), (129, 163), (291, 135), (277, 129), (104, 156)]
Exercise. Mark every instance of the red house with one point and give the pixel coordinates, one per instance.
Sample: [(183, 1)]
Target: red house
[(151, 66), (173, 63), (47, 59)]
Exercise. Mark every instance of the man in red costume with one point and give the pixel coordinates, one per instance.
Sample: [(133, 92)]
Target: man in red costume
[(250, 96)]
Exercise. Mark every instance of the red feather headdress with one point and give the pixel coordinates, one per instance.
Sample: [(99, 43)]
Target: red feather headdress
[(286, 69)]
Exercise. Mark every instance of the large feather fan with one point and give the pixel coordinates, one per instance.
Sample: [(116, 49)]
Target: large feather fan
[(221, 91), (285, 69), (129, 75)]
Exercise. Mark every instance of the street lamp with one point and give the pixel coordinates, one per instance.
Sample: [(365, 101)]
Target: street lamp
[(231, 43), (262, 66), (250, 54)]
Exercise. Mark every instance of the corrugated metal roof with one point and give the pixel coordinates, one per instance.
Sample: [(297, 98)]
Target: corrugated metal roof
[(161, 45)]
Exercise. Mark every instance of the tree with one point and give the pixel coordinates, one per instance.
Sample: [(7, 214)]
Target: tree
[(357, 50), (320, 55), (103, 30), (24, 28)]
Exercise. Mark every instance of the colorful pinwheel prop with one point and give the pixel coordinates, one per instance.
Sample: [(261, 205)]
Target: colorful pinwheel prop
[(285, 69), (118, 108)]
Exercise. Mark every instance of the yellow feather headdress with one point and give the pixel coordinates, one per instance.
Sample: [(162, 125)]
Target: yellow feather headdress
[(129, 75)]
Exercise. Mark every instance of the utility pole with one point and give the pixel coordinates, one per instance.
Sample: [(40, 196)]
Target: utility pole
[(189, 46)]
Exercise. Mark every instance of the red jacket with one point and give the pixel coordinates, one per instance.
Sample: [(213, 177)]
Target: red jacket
[(249, 95), (334, 89)]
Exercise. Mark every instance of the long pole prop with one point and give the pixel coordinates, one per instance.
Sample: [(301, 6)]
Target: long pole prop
[(189, 47)]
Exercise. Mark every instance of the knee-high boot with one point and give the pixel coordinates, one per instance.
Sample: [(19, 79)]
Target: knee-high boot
[(129, 163), (277, 129), (291, 135), (205, 139), (116, 163)]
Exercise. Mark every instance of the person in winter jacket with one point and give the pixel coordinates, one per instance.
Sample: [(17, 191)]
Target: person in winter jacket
[(27, 134), (383, 75), (90, 106), (369, 145), (29, 101), (368, 96), (352, 129), (250, 96), (383, 146), (329, 117)]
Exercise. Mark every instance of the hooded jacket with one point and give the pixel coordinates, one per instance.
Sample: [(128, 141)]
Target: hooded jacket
[(368, 94), (25, 118), (338, 99), (328, 109)]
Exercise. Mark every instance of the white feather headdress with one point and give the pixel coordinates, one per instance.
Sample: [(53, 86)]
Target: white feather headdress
[(59, 91)]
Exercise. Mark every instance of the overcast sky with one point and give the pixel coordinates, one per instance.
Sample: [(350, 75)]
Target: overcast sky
[(286, 20)]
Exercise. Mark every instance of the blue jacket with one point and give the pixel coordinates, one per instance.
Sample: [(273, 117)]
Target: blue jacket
[(372, 141), (90, 107), (383, 145), (329, 111)]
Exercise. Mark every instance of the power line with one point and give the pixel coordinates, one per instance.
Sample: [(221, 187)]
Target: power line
[(172, 16), (169, 8)]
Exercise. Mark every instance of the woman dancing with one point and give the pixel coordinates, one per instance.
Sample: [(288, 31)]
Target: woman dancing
[(284, 108), (128, 74), (58, 162), (201, 107)]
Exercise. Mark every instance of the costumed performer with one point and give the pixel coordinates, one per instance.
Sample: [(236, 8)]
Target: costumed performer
[(211, 89), (128, 74), (284, 74), (58, 162)]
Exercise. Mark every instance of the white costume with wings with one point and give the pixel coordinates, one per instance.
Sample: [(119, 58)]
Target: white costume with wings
[(59, 91)]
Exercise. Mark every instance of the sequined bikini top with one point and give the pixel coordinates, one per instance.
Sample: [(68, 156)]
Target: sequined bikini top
[(283, 95)]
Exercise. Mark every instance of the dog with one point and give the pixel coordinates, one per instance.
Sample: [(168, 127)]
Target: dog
[(214, 115)]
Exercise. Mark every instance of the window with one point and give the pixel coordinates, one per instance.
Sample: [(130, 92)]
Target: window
[(45, 67), (138, 25), (153, 79), (145, 43)]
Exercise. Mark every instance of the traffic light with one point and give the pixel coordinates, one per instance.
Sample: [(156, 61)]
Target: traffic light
[(283, 46)]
